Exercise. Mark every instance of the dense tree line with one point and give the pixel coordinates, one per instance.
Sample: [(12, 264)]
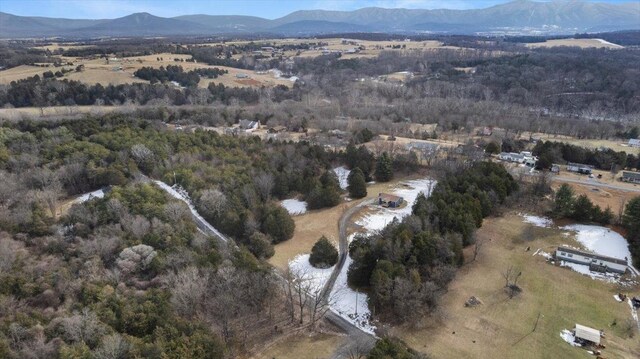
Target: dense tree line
[(171, 73), (631, 221), (550, 152), (580, 208), (409, 263), (37, 92)]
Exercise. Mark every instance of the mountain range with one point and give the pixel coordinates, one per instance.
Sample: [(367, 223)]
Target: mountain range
[(517, 17)]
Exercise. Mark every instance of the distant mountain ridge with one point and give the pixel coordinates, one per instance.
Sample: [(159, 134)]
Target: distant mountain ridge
[(520, 17)]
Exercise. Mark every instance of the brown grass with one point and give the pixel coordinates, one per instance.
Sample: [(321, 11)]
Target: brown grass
[(314, 224), (582, 43), (502, 327), (603, 197), (316, 345)]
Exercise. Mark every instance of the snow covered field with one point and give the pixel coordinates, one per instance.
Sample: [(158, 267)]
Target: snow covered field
[(294, 206), (537, 221), (601, 240), (383, 216), (87, 196), (315, 277), (343, 174), (346, 302)]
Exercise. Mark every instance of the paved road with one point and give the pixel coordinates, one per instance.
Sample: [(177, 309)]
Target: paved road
[(595, 183), (358, 341)]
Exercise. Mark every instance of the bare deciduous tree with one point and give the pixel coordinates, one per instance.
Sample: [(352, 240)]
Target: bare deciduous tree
[(511, 276)]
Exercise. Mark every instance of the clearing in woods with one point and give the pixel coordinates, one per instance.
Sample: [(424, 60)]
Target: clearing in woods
[(502, 327), (583, 43), (314, 224)]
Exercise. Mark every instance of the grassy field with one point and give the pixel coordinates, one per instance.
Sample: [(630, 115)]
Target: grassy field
[(583, 43), (502, 327), (314, 224), (121, 71), (314, 346), (603, 197)]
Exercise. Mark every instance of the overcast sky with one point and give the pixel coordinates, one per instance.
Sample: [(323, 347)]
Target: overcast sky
[(107, 9)]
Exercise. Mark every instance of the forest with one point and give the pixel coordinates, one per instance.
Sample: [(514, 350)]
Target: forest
[(407, 266)]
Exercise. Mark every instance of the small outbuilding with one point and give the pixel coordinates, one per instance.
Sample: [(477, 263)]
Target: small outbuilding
[(389, 200), (587, 334)]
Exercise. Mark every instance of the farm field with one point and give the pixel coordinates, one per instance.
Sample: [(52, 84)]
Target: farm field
[(502, 327), (582, 43), (121, 71)]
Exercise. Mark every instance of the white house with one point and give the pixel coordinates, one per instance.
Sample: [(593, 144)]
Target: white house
[(595, 262), (634, 142), (248, 125)]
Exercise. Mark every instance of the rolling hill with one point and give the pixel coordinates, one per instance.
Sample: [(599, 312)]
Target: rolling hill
[(520, 17)]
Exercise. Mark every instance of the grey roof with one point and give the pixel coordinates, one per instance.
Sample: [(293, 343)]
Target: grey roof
[(592, 255), (573, 164), (633, 175)]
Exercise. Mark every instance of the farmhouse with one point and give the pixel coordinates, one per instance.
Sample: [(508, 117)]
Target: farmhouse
[(389, 200), (249, 125), (594, 261), (634, 142), (633, 177), (587, 335), (512, 157), (579, 168)]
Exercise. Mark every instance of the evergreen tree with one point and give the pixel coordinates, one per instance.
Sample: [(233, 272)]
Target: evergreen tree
[(384, 171), (357, 186), (323, 254), (278, 224), (631, 221), (564, 201), (582, 209), (492, 147)]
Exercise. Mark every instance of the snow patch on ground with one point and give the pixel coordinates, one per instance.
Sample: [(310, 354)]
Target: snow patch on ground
[(610, 43), (601, 240), (294, 206), (315, 277), (409, 191), (346, 302), (343, 174), (180, 193), (584, 269), (540, 252), (87, 196), (634, 312), (537, 221), (568, 337)]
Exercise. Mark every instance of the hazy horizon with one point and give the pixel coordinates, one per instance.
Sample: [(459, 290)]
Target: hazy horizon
[(108, 9)]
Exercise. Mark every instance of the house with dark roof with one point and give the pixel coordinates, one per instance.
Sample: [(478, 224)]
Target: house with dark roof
[(633, 177), (389, 200)]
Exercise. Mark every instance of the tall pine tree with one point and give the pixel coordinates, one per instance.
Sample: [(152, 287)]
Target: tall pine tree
[(357, 186), (384, 171)]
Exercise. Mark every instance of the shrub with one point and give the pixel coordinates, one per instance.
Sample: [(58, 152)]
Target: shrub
[(323, 254)]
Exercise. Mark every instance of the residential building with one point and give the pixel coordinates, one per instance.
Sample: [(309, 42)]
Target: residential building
[(595, 262), (248, 125), (389, 200), (579, 168), (633, 177), (634, 142)]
